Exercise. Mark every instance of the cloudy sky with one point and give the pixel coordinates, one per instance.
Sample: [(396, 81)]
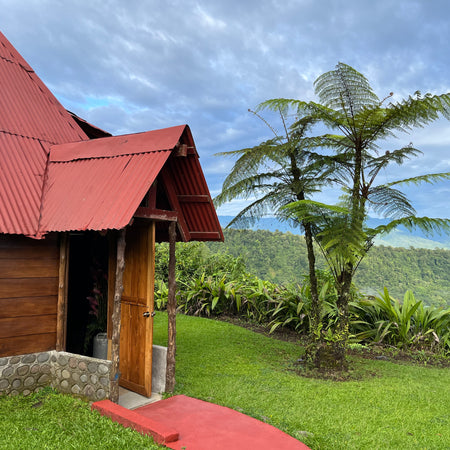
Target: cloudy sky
[(136, 65)]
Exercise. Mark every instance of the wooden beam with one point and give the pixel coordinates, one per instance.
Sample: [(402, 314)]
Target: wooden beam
[(115, 345), (112, 262), (152, 195), (156, 214), (148, 346), (181, 150), (175, 204), (206, 235), (194, 198), (61, 310), (171, 312)]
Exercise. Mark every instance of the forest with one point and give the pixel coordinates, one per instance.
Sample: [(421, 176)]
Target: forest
[(281, 258)]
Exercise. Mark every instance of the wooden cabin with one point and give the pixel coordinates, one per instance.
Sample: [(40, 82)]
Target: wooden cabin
[(67, 190)]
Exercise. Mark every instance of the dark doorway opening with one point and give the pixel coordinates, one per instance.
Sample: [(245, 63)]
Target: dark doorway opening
[(87, 290)]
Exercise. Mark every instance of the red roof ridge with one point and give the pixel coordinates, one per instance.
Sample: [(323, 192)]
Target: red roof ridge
[(127, 144)]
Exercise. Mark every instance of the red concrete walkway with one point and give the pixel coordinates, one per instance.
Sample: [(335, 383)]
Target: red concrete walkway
[(182, 422)]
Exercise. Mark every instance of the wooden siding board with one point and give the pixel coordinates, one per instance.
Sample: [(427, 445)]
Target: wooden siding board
[(27, 306), (28, 268), (28, 294), (27, 325), (21, 345), (28, 287)]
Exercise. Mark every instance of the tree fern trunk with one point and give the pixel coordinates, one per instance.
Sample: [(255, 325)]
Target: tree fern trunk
[(316, 307)]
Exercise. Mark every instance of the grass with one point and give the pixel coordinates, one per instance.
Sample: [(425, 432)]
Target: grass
[(48, 420), (392, 406), (387, 405)]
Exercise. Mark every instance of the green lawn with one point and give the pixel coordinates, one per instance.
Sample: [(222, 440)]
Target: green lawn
[(48, 420), (395, 406)]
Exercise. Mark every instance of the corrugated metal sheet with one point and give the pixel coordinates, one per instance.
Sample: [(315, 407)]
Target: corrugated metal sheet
[(22, 165), (97, 193), (99, 184), (149, 141), (27, 107), (30, 120), (83, 184)]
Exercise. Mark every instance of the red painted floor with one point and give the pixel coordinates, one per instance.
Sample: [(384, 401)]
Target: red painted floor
[(205, 426)]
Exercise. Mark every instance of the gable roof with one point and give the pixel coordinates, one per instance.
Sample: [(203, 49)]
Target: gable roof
[(54, 178), (31, 120)]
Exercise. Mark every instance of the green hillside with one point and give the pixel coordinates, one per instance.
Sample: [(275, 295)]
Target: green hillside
[(281, 257), (398, 238)]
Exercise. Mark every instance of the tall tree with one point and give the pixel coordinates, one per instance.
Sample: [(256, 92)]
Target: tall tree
[(274, 174), (349, 106)]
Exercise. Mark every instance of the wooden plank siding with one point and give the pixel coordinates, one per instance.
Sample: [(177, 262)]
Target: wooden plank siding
[(28, 294)]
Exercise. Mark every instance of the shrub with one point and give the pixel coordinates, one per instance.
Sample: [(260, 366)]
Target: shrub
[(384, 319)]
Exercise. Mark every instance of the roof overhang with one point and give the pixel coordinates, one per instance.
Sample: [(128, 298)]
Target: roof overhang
[(100, 184)]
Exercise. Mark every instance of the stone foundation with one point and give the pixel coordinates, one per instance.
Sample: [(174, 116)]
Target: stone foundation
[(66, 372)]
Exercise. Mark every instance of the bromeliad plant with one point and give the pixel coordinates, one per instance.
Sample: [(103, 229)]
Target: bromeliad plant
[(384, 319), (209, 295)]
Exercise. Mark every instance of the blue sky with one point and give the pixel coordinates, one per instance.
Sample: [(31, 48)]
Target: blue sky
[(137, 65)]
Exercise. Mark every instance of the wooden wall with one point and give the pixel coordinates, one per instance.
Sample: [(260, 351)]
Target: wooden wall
[(28, 294)]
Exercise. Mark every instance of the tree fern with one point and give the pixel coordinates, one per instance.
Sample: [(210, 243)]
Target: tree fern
[(350, 155)]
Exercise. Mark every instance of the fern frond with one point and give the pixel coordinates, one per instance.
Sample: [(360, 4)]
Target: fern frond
[(345, 89), (428, 225), (266, 205), (397, 156), (390, 202), (428, 178), (244, 188), (312, 211)]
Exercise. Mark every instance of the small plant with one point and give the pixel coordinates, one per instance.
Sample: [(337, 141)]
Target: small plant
[(383, 319), (161, 294)]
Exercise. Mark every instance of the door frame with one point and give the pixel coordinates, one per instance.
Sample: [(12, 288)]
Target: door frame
[(148, 343)]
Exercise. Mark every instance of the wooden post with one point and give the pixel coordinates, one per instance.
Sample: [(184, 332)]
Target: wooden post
[(115, 347), (61, 318), (171, 312)]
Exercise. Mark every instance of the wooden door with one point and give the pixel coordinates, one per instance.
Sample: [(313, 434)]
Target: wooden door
[(136, 335)]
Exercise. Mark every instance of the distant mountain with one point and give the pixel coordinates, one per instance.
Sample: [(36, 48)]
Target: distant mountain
[(397, 238)]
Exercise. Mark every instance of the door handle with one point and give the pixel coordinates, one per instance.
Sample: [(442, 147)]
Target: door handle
[(147, 314)]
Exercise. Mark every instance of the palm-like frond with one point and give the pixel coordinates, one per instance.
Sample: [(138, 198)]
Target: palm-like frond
[(270, 203), (247, 187), (390, 202), (426, 224), (430, 178), (417, 111), (345, 89), (397, 156), (312, 211)]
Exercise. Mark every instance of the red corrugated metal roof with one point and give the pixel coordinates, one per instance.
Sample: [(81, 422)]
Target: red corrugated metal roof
[(31, 119), (97, 193), (99, 184), (22, 166), (52, 178), (195, 201), (27, 107), (150, 141)]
